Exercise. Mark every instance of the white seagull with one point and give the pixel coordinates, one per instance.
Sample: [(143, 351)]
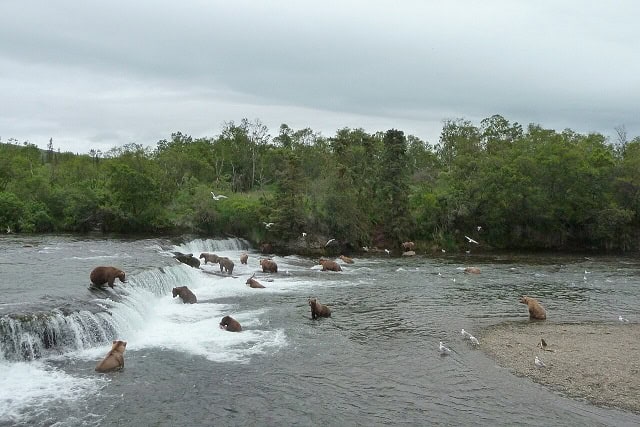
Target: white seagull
[(471, 240), (622, 319), (388, 251), (329, 242), (539, 363), (443, 251), (479, 227), (443, 349), (304, 234), (218, 197), (268, 225), (474, 340)]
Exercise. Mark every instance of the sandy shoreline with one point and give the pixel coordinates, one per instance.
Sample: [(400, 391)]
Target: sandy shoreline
[(599, 362)]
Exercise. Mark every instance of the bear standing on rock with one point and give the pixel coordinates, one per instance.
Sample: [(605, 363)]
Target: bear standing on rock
[(226, 264), (212, 258), (101, 275), (188, 259), (536, 311), (114, 360)]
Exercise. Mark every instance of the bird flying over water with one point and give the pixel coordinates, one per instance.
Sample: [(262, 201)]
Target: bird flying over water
[(329, 242), (622, 319), (388, 251), (268, 225), (304, 234), (474, 340), (443, 349), (471, 240), (218, 197), (539, 363)]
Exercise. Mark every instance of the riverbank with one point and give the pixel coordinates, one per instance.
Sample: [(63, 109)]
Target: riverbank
[(599, 362)]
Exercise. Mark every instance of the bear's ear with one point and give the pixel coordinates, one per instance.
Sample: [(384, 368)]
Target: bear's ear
[(114, 342)]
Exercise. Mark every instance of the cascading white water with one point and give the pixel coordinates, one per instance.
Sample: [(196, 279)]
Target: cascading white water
[(37, 349), (209, 245), (29, 337)]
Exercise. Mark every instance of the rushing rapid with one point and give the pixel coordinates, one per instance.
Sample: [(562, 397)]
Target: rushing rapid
[(375, 361)]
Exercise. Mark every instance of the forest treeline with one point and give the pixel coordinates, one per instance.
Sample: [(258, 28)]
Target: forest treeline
[(498, 183)]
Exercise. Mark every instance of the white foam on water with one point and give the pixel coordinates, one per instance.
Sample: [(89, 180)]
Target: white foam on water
[(194, 328), (34, 386), (147, 316), (197, 246)]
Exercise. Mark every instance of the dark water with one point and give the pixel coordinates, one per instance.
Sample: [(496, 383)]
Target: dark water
[(374, 362)]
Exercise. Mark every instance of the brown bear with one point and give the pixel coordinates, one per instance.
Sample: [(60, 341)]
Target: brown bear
[(101, 275), (185, 294), (318, 310), (253, 283), (346, 259), (536, 311), (212, 258), (408, 246), (226, 264), (230, 324), (329, 265), (188, 259), (114, 360), (244, 258), (268, 266), (266, 248), (472, 270)]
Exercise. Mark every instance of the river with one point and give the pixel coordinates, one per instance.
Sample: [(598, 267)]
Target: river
[(374, 362)]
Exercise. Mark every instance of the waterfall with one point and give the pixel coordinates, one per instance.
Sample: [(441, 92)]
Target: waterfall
[(32, 336), (124, 309), (210, 245)]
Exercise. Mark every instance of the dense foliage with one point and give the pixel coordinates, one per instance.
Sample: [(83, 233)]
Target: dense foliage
[(498, 183)]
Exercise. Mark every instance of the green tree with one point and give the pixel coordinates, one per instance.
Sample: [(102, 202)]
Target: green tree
[(393, 188)]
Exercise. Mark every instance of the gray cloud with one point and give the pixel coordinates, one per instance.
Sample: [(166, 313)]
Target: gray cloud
[(98, 74)]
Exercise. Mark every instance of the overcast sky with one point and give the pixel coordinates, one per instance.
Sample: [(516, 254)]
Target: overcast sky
[(96, 74)]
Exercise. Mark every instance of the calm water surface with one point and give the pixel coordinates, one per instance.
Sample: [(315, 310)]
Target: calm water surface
[(374, 362)]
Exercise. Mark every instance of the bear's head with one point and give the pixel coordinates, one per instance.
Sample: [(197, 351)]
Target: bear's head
[(120, 276), (119, 346), (175, 292), (524, 299)]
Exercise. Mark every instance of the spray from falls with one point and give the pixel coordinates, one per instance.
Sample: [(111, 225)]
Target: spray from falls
[(32, 336)]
